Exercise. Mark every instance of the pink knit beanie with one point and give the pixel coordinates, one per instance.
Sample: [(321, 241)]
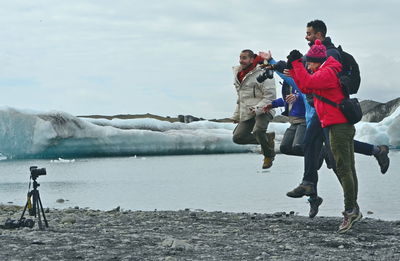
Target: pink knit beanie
[(317, 53)]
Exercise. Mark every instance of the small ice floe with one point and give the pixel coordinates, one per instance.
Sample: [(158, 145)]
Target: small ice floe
[(61, 160), (2, 157), (136, 157)]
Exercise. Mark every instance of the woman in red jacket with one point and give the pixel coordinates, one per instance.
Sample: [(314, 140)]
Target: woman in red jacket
[(323, 81)]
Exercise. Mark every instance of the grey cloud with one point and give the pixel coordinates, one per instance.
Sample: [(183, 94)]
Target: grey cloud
[(171, 57)]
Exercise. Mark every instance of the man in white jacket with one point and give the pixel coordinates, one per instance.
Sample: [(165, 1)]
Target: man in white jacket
[(252, 97)]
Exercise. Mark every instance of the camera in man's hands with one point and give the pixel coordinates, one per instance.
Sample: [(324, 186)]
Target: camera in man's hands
[(268, 73), (35, 172)]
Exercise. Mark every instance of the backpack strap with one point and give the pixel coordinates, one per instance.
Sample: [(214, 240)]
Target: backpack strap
[(333, 69), (323, 99)]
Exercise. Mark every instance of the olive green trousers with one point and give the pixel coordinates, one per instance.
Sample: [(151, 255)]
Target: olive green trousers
[(341, 140)]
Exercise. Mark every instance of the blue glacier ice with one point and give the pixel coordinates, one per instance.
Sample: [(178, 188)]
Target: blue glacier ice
[(26, 134), (60, 135)]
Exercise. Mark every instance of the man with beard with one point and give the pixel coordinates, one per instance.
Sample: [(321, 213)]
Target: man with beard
[(252, 97)]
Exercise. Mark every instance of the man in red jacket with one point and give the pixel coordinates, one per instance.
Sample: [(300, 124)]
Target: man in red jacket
[(324, 81)]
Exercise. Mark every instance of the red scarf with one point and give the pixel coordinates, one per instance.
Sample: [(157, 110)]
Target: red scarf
[(243, 73)]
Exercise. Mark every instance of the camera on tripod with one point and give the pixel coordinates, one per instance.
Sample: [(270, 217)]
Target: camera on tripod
[(33, 204), (269, 70), (35, 172)]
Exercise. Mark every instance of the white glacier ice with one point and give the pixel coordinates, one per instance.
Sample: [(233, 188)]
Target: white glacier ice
[(60, 135), (386, 131)]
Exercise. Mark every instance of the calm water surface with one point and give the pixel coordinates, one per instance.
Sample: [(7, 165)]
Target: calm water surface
[(228, 182)]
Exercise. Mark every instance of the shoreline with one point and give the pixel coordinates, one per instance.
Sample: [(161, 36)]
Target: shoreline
[(86, 234)]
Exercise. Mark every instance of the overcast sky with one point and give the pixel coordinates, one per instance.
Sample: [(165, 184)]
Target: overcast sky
[(171, 57)]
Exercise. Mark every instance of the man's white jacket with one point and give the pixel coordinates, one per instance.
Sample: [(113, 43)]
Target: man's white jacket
[(252, 94)]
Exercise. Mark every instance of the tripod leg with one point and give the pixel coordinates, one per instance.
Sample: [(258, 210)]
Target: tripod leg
[(41, 209), (34, 200), (36, 207), (26, 205)]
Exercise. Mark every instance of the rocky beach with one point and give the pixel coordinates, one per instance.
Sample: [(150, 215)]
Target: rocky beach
[(86, 234)]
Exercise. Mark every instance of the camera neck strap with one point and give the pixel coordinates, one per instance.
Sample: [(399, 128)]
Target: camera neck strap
[(323, 99)]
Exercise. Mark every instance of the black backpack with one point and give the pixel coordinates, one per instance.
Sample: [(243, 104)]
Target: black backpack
[(350, 75)]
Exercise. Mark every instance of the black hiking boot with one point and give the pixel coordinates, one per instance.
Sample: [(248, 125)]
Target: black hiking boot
[(383, 158), (315, 202)]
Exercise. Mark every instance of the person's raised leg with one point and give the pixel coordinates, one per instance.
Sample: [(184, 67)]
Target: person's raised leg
[(298, 141), (266, 141), (242, 133), (380, 152), (287, 140)]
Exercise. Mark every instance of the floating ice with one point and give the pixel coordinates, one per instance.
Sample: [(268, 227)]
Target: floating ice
[(61, 160), (61, 135), (386, 131)]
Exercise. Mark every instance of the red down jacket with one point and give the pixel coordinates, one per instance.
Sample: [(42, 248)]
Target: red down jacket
[(323, 82)]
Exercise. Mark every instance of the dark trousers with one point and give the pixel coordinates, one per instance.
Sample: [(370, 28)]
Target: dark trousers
[(363, 148), (313, 140), (293, 140), (253, 131)]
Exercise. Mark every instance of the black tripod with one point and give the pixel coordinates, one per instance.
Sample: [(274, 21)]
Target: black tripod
[(36, 206)]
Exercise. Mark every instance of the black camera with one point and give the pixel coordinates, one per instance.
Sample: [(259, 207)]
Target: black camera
[(269, 71), (35, 172), (267, 74)]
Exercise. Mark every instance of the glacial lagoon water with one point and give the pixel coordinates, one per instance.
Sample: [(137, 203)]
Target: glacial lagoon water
[(218, 182)]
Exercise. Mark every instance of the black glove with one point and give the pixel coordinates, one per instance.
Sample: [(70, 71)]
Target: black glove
[(293, 56), (280, 66)]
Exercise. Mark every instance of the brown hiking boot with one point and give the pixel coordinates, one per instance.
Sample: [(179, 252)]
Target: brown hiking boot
[(383, 158), (302, 190), (267, 162)]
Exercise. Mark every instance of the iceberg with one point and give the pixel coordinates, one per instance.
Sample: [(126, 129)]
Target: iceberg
[(386, 131), (60, 135), (55, 135)]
